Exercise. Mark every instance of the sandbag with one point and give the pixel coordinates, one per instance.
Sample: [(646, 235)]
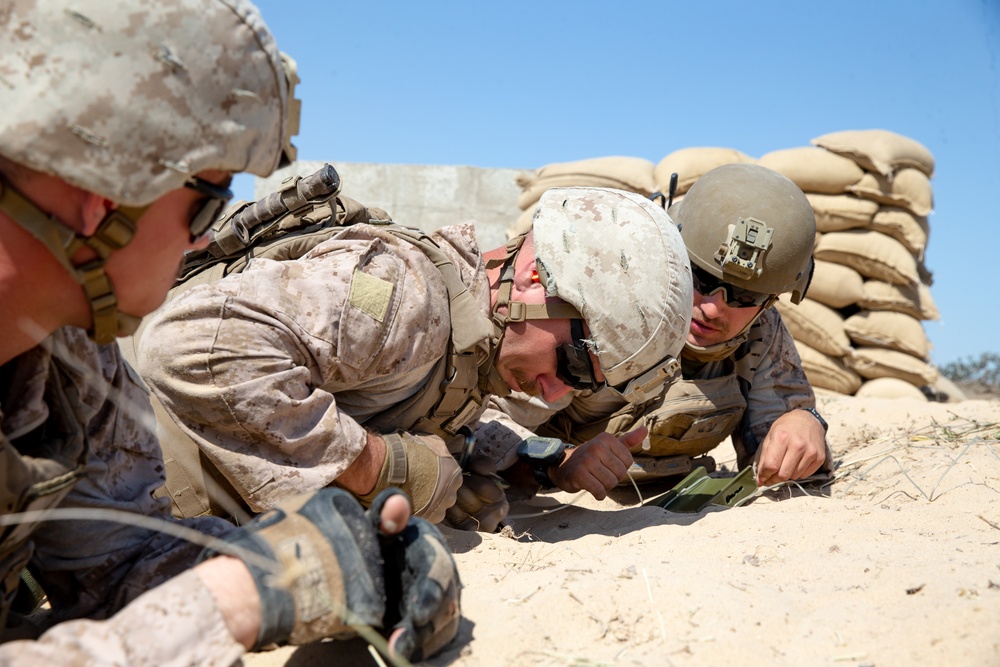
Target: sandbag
[(880, 151), (914, 300), (876, 362), (835, 285), (814, 169), (947, 391), (909, 229), (691, 163), (622, 173), (522, 224), (925, 274), (896, 331), (825, 372), (530, 196), (811, 321), (890, 388), (835, 213), (908, 188), (870, 253)]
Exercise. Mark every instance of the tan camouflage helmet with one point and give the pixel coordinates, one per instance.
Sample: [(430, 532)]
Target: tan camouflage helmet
[(750, 227), (617, 258), (129, 99)]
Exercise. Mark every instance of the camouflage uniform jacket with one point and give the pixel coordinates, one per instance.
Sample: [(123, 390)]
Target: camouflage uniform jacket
[(274, 371), (71, 404), (740, 396)]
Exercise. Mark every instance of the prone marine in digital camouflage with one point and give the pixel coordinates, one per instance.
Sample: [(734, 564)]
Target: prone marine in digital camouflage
[(749, 234), (368, 360), (123, 124)]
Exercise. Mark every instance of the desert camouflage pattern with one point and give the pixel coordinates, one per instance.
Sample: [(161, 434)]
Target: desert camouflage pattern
[(94, 568), (771, 379), (274, 371), (619, 259), (188, 630), (128, 99), (763, 379)]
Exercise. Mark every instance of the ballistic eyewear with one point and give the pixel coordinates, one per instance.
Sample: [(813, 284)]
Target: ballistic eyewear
[(736, 297), (574, 365), (215, 202)]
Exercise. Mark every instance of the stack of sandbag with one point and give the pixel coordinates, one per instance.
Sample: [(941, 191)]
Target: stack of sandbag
[(691, 163), (622, 173), (860, 331)]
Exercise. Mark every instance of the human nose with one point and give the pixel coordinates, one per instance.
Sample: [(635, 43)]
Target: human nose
[(552, 388), (712, 305)]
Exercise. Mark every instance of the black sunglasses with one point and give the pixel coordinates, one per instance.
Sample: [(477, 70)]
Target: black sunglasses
[(736, 297), (215, 202), (573, 362)]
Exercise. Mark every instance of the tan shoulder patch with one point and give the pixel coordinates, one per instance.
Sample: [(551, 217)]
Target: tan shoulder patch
[(370, 294)]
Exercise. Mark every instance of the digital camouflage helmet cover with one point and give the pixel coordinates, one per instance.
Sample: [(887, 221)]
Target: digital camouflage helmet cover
[(616, 257), (128, 100)]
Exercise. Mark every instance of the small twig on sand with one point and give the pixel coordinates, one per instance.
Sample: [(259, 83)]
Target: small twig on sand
[(988, 521)]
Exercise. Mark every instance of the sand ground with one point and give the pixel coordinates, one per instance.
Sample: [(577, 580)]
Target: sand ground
[(897, 562)]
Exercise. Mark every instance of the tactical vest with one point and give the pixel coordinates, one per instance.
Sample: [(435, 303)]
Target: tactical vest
[(285, 225), (38, 470), (689, 419)]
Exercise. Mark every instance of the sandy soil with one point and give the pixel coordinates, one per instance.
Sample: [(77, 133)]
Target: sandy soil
[(897, 562)]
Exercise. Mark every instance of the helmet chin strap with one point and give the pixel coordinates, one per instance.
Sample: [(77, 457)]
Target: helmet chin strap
[(516, 311), (722, 350), (715, 352), (115, 232)]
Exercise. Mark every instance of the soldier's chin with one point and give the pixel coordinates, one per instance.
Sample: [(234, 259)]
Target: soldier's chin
[(702, 341), (694, 339)]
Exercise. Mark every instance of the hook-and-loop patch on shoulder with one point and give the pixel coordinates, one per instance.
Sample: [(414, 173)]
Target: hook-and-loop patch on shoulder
[(370, 294)]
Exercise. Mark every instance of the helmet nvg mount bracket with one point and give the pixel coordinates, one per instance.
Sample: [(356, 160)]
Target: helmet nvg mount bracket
[(744, 256)]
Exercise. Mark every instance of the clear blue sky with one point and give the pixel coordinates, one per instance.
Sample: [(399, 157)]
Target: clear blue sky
[(521, 84)]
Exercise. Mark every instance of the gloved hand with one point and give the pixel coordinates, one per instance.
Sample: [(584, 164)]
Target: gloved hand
[(482, 503), (422, 587), (423, 468), (321, 565)]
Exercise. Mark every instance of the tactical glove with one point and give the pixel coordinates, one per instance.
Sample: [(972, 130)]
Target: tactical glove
[(482, 503), (423, 589), (321, 567), (424, 469)]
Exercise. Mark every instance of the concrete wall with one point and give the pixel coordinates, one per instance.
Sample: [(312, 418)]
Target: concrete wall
[(425, 196)]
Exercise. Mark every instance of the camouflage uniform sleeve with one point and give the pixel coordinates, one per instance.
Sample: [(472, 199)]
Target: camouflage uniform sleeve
[(772, 380), (177, 623), (272, 370), (94, 568)]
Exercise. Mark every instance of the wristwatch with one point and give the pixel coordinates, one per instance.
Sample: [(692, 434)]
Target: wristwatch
[(822, 422), (541, 454)]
